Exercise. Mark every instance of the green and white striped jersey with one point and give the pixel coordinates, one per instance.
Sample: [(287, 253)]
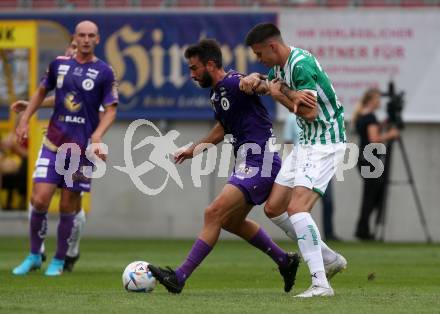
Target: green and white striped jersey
[(303, 72)]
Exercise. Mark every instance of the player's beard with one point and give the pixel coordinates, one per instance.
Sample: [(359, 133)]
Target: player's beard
[(206, 80)]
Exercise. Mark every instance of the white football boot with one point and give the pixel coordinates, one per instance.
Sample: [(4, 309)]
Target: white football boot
[(316, 291), (337, 266)]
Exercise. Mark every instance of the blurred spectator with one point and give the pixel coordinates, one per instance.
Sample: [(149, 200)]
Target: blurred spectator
[(13, 169), (370, 131), (291, 136), (13, 156)]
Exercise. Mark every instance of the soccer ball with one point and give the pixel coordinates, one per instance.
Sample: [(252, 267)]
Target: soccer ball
[(138, 278)]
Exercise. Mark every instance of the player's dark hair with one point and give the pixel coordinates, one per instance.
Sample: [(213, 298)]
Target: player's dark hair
[(260, 32), (206, 50)]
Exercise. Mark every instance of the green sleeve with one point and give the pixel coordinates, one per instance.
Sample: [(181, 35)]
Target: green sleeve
[(304, 75)]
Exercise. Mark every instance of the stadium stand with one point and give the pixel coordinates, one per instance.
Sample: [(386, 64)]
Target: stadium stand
[(9, 4), (117, 3), (150, 3), (44, 4), (114, 4)]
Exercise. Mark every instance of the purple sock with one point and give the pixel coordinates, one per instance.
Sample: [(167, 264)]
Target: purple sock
[(262, 241), (198, 252), (37, 230), (64, 230)]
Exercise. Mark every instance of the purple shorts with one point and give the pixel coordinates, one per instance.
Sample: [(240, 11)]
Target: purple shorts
[(255, 184), (73, 180)]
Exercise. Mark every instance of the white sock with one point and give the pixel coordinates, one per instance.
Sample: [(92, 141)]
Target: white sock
[(284, 223), (328, 255), (75, 236), (309, 243)]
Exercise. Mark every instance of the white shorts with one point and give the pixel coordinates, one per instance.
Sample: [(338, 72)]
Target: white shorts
[(311, 166)]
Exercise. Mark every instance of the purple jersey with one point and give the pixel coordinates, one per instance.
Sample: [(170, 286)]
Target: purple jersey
[(242, 115), (246, 119), (80, 89)]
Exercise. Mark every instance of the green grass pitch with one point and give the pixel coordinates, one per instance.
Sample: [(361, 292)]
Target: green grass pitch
[(235, 278)]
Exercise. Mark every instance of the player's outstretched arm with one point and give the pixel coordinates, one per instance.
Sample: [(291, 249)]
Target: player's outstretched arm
[(34, 104), (215, 136)]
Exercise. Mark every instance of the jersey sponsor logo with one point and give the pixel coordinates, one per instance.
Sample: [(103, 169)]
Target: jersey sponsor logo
[(88, 84), (93, 74), (72, 119), (60, 81), (63, 69), (70, 104), (78, 71), (224, 102), (75, 119)]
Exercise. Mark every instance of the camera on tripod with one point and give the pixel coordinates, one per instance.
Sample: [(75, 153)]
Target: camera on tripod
[(395, 106)]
